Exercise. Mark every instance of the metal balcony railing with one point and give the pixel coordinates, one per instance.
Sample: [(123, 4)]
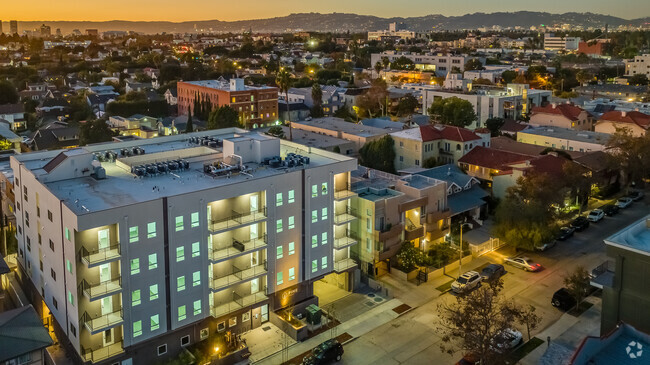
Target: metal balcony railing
[(347, 240), (98, 323), (102, 352), (237, 219), (237, 248), (238, 302), (345, 216), (238, 275), (344, 264), (100, 255), (344, 192), (94, 291)]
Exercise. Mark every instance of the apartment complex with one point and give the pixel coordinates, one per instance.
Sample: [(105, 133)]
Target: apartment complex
[(562, 115), (565, 139), (625, 284), (139, 248), (639, 65), (441, 64), (257, 105), (553, 43), (395, 31)]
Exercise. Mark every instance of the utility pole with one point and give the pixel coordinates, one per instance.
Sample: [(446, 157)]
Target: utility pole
[(460, 250)]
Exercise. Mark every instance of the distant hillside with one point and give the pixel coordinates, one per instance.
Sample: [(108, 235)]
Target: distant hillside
[(343, 22)]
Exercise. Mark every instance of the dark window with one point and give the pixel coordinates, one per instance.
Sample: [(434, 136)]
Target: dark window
[(73, 330), (52, 273), (49, 215), (162, 349), (185, 340), (56, 304), (51, 245)]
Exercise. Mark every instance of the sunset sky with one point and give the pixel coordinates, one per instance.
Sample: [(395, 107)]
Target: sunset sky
[(175, 10)]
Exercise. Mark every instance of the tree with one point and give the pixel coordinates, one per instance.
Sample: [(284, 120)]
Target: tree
[(403, 63), (474, 64), (283, 80), (528, 317), (629, 154), (95, 132), (494, 125), (407, 105), (223, 117), (378, 68), (453, 111), (508, 76), (578, 284), (638, 80), (408, 257), (373, 101), (430, 163), (584, 76), (474, 322), (317, 97), (276, 131), (189, 127), (379, 154), (8, 93)]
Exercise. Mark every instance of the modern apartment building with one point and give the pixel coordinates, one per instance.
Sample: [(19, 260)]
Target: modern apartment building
[(553, 43), (138, 248), (638, 65), (441, 64), (257, 105)]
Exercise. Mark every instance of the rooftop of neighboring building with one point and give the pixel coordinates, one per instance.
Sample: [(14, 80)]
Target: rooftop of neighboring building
[(12, 108), (225, 85), (491, 158), (338, 124), (508, 144), (635, 237), (311, 139), (21, 332), (569, 134), (615, 347), (513, 126), (615, 88), (431, 132), (450, 173), (569, 111), (632, 117), (383, 123)]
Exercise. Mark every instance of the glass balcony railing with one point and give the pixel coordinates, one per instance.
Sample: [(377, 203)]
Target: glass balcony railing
[(94, 291), (101, 255), (102, 352), (346, 241), (98, 323), (237, 303), (238, 275), (344, 193), (237, 219), (345, 216), (344, 264), (238, 248)]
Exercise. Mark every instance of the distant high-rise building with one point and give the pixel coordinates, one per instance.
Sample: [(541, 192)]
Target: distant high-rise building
[(58, 32), (1, 27), (13, 27), (46, 31)]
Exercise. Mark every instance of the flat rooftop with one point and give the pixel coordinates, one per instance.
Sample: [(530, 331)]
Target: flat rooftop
[(338, 124), (569, 134), (220, 85), (635, 237), (121, 187)]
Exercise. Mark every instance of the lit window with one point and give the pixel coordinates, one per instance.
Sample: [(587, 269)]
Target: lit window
[(292, 222), (181, 313), (194, 218), (314, 265), (280, 281), (67, 234), (278, 199), (70, 298), (155, 322), (135, 298), (133, 234), (323, 214), (137, 328), (68, 265), (196, 249), (135, 266), (153, 261), (323, 189), (314, 191), (291, 196), (323, 263), (197, 307), (292, 273), (180, 254), (151, 230), (196, 278), (278, 254), (179, 223), (314, 216), (153, 292), (292, 248), (180, 283), (323, 238), (314, 241), (278, 226)]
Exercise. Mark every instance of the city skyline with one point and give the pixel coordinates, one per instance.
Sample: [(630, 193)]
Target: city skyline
[(169, 11)]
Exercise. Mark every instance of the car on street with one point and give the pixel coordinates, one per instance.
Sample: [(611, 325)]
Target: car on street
[(580, 224), (469, 359), (523, 263), (507, 340), (546, 245), (563, 300), (636, 195), (325, 353), (596, 215), (466, 282), (492, 272), (565, 233), (610, 209), (624, 202)]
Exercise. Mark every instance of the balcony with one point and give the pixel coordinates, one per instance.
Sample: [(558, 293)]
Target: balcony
[(100, 256), (347, 240), (238, 276), (237, 303), (603, 275), (346, 216), (96, 324), (102, 352), (344, 193), (344, 265), (94, 291), (394, 231), (237, 219), (237, 248)]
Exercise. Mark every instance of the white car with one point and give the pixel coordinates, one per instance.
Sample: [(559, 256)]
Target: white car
[(507, 340), (523, 263), (545, 246), (596, 215), (466, 282), (624, 202)]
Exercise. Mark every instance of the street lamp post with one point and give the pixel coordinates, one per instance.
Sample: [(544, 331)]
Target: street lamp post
[(460, 250)]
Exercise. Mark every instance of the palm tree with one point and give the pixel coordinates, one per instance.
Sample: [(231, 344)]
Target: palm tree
[(385, 62), (378, 67), (283, 80)]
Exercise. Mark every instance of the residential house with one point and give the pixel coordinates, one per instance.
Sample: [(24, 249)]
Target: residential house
[(98, 102), (331, 102), (564, 139), (55, 135), (14, 114), (53, 107), (635, 122), (485, 162), (563, 116), (510, 127), (295, 111), (171, 96), (137, 125), (23, 338), (136, 86)]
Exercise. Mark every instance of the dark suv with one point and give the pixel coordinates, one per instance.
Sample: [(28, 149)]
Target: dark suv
[(563, 299), (326, 352), (580, 224)]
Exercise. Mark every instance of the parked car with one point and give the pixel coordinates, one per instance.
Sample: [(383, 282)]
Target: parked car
[(562, 299), (624, 202), (326, 352), (523, 263), (636, 195), (545, 246), (610, 209), (469, 359), (596, 215), (506, 340), (466, 282), (580, 224), (492, 272), (565, 233)]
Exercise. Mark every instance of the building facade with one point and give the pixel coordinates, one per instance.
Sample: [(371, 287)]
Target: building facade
[(441, 64), (639, 65), (140, 248)]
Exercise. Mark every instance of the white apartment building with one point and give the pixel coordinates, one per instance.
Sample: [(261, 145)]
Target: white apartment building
[(139, 248), (553, 43), (438, 63), (638, 65)]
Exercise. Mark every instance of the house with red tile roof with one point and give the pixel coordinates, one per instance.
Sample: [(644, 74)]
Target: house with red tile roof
[(436, 144), (485, 162), (636, 122), (562, 115)]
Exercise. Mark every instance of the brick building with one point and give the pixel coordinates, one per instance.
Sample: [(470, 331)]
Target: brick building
[(257, 106)]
